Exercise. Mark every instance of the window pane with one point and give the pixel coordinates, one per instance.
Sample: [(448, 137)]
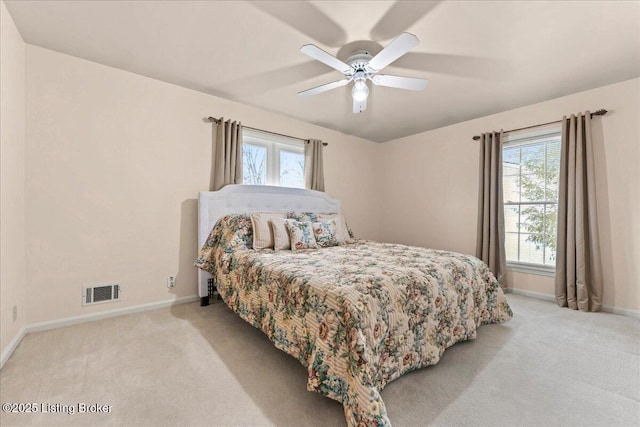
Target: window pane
[(531, 250), (511, 246), (533, 158), (291, 169), (532, 218), (254, 159), (511, 218), (530, 190), (551, 233), (532, 186), (511, 161), (550, 253), (553, 169), (511, 189)]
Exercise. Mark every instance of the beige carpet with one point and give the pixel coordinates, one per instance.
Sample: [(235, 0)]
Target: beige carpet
[(191, 365)]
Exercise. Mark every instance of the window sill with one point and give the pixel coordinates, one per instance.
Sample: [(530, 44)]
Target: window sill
[(540, 270)]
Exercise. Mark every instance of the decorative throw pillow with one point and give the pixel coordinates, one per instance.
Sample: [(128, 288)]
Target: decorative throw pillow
[(342, 231), (301, 235), (280, 235), (262, 233), (302, 216), (325, 233)]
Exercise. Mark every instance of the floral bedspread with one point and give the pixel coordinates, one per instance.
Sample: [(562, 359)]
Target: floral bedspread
[(358, 315)]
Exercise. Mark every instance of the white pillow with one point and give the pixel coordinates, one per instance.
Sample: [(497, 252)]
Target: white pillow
[(280, 235), (262, 233), (342, 233)]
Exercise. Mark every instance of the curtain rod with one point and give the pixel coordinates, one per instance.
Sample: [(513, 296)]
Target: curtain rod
[(601, 112), (217, 121)]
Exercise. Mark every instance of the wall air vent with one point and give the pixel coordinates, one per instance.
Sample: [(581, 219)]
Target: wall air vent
[(100, 294)]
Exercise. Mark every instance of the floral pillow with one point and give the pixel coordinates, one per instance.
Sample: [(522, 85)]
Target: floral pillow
[(302, 216), (301, 235), (325, 233), (343, 233)]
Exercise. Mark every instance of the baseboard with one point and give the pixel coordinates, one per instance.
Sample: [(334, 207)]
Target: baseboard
[(546, 297), (60, 323), (531, 294), (623, 311), (6, 354)]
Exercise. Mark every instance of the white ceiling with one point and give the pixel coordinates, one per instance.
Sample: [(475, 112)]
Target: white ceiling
[(481, 57)]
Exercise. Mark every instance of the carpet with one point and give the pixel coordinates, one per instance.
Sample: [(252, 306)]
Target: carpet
[(203, 366)]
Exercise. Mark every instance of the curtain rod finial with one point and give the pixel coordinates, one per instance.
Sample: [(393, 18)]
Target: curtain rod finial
[(476, 137)]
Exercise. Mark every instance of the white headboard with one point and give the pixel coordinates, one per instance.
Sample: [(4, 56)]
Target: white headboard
[(235, 199)]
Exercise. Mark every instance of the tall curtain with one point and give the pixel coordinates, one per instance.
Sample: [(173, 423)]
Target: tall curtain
[(490, 241), (578, 267), (313, 166), (227, 157)]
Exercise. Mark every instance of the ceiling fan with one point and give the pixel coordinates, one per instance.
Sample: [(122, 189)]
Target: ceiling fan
[(361, 66)]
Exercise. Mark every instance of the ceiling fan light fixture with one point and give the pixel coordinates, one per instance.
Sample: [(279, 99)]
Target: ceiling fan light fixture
[(360, 91), (361, 66)]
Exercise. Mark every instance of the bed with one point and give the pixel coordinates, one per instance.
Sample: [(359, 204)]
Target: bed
[(357, 315)]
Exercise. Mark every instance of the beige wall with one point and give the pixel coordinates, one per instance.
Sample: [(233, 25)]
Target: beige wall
[(12, 179), (115, 161), (429, 185)]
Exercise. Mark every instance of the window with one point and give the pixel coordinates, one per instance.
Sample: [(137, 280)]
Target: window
[(272, 159), (531, 167)]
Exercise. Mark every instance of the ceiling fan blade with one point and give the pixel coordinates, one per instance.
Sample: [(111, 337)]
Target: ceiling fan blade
[(307, 19), (457, 65), (409, 83), (320, 55), (401, 45), (324, 88), (401, 16), (359, 106)]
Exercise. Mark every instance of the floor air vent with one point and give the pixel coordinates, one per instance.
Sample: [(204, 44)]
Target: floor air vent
[(100, 294)]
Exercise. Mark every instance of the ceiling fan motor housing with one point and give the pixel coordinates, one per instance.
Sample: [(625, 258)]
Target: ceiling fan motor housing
[(362, 66), (359, 59)]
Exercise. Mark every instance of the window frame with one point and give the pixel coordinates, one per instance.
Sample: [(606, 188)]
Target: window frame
[(521, 138), (274, 144)]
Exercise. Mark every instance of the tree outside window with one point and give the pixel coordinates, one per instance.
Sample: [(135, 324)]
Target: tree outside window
[(272, 160), (531, 169)]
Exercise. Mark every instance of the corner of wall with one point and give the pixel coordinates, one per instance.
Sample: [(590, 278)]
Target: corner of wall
[(431, 178), (12, 186)]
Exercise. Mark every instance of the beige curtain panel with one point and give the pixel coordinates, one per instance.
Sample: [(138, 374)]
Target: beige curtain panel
[(227, 155), (313, 165), (490, 241), (578, 282)]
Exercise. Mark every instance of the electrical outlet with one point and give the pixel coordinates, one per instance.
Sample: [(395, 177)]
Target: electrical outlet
[(171, 282), (15, 313)]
